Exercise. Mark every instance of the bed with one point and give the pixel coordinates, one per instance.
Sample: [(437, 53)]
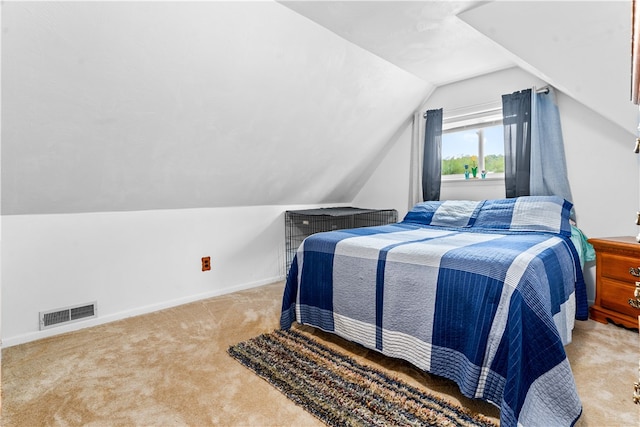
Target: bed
[(485, 293)]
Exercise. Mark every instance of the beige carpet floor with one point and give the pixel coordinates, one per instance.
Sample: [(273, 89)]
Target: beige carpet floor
[(170, 368)]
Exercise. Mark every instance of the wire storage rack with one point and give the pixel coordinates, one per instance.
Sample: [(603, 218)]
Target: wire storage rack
[(302, 223)]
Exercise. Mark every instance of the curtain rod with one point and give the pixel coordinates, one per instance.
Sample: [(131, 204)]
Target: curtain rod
[(544, 89)]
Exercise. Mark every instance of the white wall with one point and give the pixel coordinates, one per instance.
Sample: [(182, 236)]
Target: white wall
[(387, 187), (603, 171), (478, 189), (132, 262)]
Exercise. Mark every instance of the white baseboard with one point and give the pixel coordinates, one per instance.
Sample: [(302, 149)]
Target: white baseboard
[(100, 320)]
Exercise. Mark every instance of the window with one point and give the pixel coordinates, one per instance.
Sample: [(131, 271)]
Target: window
[(473, 142)]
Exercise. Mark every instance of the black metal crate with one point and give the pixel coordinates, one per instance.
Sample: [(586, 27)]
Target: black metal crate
[(303, 223)]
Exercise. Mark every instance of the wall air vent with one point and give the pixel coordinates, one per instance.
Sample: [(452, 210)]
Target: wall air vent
[(51, 318)]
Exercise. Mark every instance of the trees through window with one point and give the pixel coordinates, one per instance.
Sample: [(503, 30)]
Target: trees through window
[(473, 147)]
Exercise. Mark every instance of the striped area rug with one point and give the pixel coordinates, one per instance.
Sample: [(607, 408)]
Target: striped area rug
[(340, 391)]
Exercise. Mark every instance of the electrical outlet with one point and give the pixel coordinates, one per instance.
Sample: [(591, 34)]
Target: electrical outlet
[(206, 263)]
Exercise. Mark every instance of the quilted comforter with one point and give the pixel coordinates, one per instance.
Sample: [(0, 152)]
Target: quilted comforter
[(478, 292)]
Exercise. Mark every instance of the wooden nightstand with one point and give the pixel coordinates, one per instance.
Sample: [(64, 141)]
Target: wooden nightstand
[(617, 275)]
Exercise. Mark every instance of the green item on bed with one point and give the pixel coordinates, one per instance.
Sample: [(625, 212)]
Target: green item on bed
[(584, 248)]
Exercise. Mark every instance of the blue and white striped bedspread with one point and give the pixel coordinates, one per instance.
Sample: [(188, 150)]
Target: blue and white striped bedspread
[(489, 310)]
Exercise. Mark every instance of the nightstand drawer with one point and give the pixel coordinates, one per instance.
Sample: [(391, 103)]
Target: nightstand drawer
[(615, 296), (615, 286), (617, 267)]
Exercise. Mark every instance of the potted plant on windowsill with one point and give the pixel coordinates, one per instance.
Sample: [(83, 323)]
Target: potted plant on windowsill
[(474, 166)]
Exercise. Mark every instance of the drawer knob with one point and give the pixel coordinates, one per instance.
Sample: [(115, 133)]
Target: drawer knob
[(635, 303), (634, 271)]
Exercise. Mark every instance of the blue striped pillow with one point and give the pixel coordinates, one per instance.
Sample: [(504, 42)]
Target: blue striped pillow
[(548, 214), (526, 213), (450, 213)]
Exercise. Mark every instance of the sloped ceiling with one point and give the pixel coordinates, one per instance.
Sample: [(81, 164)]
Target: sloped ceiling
[(425, 38), (580, 47), (116, 106), (111, 106)]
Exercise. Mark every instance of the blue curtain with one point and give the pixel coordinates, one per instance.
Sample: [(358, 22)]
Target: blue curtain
[(516, 118), (432, 157), (548, 160)]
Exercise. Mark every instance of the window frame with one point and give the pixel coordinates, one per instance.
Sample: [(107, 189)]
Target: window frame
[(472, 120)]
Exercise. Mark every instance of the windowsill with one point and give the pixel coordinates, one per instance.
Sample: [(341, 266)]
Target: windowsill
[(460, 178)]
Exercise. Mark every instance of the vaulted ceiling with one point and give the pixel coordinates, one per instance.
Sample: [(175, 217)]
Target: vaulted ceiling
[(112, 106), (581, 47), (425, 38)]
